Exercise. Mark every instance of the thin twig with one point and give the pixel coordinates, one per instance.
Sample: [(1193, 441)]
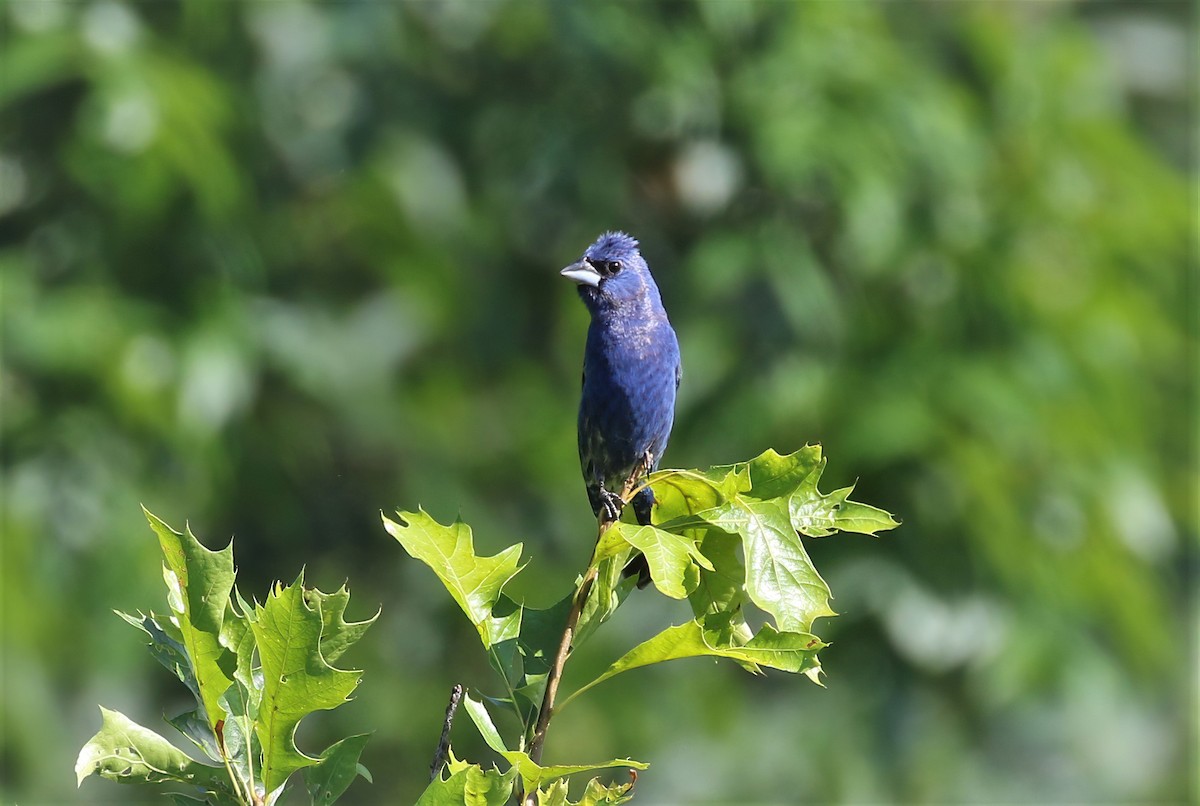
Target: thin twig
[(577, 605), (560, 659), (439, 757)]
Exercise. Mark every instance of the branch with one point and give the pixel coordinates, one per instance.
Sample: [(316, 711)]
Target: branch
[(577, 605), (560, 659), (439, 756)]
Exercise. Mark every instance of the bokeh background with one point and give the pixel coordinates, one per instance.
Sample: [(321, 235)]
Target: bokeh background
[(270, 267)]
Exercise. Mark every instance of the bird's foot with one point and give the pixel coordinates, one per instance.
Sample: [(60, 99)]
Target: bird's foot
[(611, 505)]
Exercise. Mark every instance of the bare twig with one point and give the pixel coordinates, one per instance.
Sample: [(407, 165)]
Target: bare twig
[(439, 757)]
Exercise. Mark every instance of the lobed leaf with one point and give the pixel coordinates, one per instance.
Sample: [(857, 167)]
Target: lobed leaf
[(127, 752), (596, 794), (818, 515), (767, 502), (780, 577), (474, 582), (337, 634), (679, 494), (599, 794), (532, 774), (672, 557), (198, 583), (469, 785), (296, 678)]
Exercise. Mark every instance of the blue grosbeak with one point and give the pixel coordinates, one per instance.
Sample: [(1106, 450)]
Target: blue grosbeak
[(631, 372)]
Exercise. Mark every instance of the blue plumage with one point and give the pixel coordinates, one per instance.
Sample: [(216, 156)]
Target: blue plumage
[(631, 371)]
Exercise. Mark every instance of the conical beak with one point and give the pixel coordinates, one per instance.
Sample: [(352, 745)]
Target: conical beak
[(582, 273)]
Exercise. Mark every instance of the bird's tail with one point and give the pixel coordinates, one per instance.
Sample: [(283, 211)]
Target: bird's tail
[(639, 566)]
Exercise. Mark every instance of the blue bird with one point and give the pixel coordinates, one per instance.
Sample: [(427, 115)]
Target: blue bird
[(631, 371)]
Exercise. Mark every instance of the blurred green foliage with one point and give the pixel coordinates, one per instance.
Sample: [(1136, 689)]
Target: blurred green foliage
[(275, 266)]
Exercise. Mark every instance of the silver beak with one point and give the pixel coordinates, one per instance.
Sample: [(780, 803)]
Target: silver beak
[(582, 273)]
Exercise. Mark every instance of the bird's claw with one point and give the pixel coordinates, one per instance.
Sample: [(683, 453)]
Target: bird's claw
[(611, 505)]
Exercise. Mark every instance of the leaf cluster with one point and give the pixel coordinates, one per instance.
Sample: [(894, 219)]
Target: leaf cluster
[(255, 671), (727, 539)]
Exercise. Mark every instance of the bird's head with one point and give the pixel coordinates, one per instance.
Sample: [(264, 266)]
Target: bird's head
[(613, 275)]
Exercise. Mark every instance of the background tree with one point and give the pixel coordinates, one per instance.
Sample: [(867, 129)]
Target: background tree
[(277, 266)]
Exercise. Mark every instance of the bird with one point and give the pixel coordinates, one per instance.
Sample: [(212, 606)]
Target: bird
[(631, 374)]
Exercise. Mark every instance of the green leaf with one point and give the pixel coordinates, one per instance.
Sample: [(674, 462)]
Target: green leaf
[(790, 652), (609, 589), (671, 557), (541, 630), (767, 502), (780, 577), (238, 638), (774, 476), (483, 721), (166, 645), (337, 634), (337, 769), (599, 794), (679, 494), (718, 597), (596, 794), (475, 582), (127, 752), (241, 701), (296, 678), (818, 515), (195, 727), (556, 795), (795, 477), (242, 746), (198, 584), (469, 785), (534, 775)]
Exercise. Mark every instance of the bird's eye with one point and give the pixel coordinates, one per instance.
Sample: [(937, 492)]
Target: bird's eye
[(606, 268)]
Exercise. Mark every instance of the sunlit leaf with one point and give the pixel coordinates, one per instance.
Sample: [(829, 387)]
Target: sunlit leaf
[(818, 515), (780, 577), (297, 680), (483, 721), (791, 652), (681, 493), (126, 752), (670, 557), (199, 582), (598, 793), (475, 582), (554, 795), (534, 775), (337, 634), (463, 784)]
